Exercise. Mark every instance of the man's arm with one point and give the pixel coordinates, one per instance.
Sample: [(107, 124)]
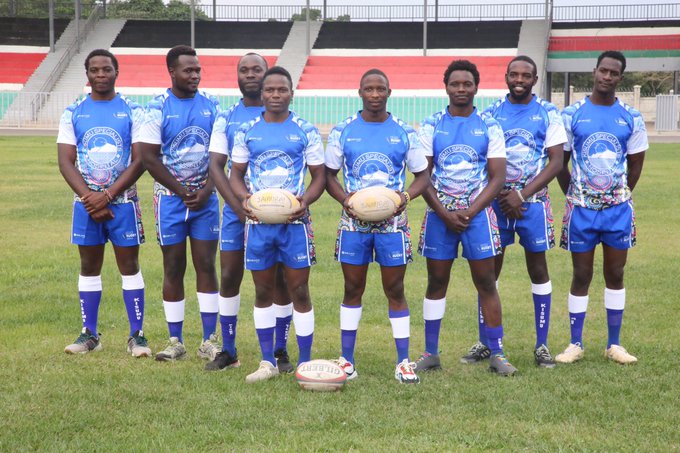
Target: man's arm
[(151, 156), (496, 169), (130, 175), (510, 201), (96, 203), (314, 190), (238, 186), (564, 176), (635, 162), (218, 162), (418, 187)]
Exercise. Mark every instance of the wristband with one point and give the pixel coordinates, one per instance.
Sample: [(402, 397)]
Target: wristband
[(519, 194), (407, 196)]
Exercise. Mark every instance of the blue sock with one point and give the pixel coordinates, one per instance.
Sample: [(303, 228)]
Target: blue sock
[(577, 320), (228, 324), (282, 329), (494, 336), (209, 321), (348, 339), (175, 329), (482, 326), (89, 308), (266, 339), (432, 328), (134, 305), (402, 348), (305, 346), (542, 317), (614, 320)]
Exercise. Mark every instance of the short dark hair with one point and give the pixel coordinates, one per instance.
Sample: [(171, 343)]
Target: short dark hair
[(461, 65), (616, 55), (374, 71), (174, 54), (280, 70), (101, 53), (253, 54), (524, 58)]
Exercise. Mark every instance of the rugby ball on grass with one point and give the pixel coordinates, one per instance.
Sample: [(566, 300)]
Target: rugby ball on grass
[(273, 205), (374, 204), (320, 375)]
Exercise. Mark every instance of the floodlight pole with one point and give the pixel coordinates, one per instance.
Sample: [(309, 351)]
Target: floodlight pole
[(193, 24), (424, 28), (76, 9), (51, 14), (308, 36)]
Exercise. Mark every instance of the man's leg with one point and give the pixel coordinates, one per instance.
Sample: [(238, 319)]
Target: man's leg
[(203, 257), (174, 267), (434, 304), (350, 313), (303, 312), (231, 265), (283, 308), (541, 290), (614, 262), (127, 259)]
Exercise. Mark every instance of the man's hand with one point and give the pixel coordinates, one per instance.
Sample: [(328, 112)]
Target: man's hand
[(457, 221), (94, 201), (346, 206), (247, 212), (102, 215), (511, 204), (196, 200), (301, 211)]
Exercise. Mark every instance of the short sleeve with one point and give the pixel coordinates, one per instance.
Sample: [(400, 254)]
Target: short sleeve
[(218, 138), (150, 130), (67, 134), (334, 157), (638, 141)]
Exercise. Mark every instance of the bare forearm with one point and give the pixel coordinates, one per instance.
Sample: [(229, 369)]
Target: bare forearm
[(333, 186)]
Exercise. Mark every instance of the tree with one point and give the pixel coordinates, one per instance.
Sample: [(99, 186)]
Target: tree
[(153, 9), (651, 83), (314, 14)]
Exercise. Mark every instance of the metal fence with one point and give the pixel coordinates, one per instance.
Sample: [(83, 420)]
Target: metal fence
[(367, 12), (17, 109), (667, 112)]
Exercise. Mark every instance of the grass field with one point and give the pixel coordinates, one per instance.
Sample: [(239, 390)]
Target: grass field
[(109, 401)]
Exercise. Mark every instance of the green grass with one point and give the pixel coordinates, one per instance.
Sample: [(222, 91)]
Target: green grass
[(111, 402)]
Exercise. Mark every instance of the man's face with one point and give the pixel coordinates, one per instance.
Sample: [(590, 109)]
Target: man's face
[(461, 88), (374, 92), (276, 93), (101, 75), (186, 74), (250, 71), (520, 79), (607, 75)]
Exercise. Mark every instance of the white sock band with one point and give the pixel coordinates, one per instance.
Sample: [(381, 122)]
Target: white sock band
[(578, 304), (229, 306), (304, 323), (350, 317), (615, 299), (401, 327), (90, 283), (283, 311), (263, 317), (433, 309), (174, 311), (131, 282), (542, 289), (208, 302)]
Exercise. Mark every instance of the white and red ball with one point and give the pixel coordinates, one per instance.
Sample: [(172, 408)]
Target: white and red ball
[(273, 205), (374, 204), (320, 375)]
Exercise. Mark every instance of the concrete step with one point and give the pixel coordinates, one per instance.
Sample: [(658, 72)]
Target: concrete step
[(294, 53)]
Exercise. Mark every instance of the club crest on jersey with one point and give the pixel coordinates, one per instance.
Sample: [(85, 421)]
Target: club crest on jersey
[(273, 168), (190, 147), (373, 169), (457, 164), (600, 152), (103, 149), (519, 147)]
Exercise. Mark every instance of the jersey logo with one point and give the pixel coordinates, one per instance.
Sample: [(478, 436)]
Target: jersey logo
[(477, 132), (273, 168), (373, 169), (621, 122), (293, 138), (393, 140), (353, 139), (206, 113), (519, 147), (536, 118), (600, 152), (457, 164), (120, 115), (103, 149), (190, 148)]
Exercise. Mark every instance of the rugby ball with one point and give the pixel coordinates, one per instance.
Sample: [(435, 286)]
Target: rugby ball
[(374, 204), (273, 205), (320, 375)]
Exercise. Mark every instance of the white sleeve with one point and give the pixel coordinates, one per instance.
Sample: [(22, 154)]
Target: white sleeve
[(66, 135), (569, 144), (496, 142), (638, 142), (150, 131), (240, 153), (555, 135), (138, 114), (334, 157), (218, 138), (314, 149), (425, 133), (415, 156)]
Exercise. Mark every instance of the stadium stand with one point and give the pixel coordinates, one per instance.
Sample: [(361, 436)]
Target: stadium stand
[(18, 31), (17, 67)]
